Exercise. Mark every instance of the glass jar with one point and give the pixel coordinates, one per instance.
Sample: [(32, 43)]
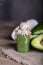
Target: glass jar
[(23, 43)]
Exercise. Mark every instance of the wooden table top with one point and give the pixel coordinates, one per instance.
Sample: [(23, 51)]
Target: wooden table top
[(5, 30), (6, 61)]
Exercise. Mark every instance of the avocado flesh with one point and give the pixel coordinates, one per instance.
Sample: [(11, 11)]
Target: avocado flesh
[(38, 29), (36, 42)]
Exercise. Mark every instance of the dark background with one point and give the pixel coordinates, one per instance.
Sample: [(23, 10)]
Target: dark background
[(21, 10)]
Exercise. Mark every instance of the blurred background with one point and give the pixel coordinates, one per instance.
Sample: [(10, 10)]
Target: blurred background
[(21, 10)]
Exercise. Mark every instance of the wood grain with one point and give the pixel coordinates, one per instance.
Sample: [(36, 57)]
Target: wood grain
[(6, 61), (5, 39)]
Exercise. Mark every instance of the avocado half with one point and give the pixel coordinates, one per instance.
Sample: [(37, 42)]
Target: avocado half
[(38, 42)]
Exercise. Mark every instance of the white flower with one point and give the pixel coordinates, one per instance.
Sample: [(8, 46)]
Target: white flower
[(24, 28), (19, 31), (13, 35), (31, 23)]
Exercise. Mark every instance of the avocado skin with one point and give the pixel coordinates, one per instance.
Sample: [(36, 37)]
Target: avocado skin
[(35, 42), (38, 29)]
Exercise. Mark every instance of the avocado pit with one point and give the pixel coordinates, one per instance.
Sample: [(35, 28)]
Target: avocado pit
[(41, 42)]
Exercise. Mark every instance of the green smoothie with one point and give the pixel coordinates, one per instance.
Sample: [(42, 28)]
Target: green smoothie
[(23, 42)]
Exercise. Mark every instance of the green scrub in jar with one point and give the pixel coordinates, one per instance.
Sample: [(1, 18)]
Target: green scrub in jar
[(23, 43)]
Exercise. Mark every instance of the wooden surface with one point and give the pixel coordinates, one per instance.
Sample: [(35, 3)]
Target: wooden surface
[(6, 61), (5, 39)]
